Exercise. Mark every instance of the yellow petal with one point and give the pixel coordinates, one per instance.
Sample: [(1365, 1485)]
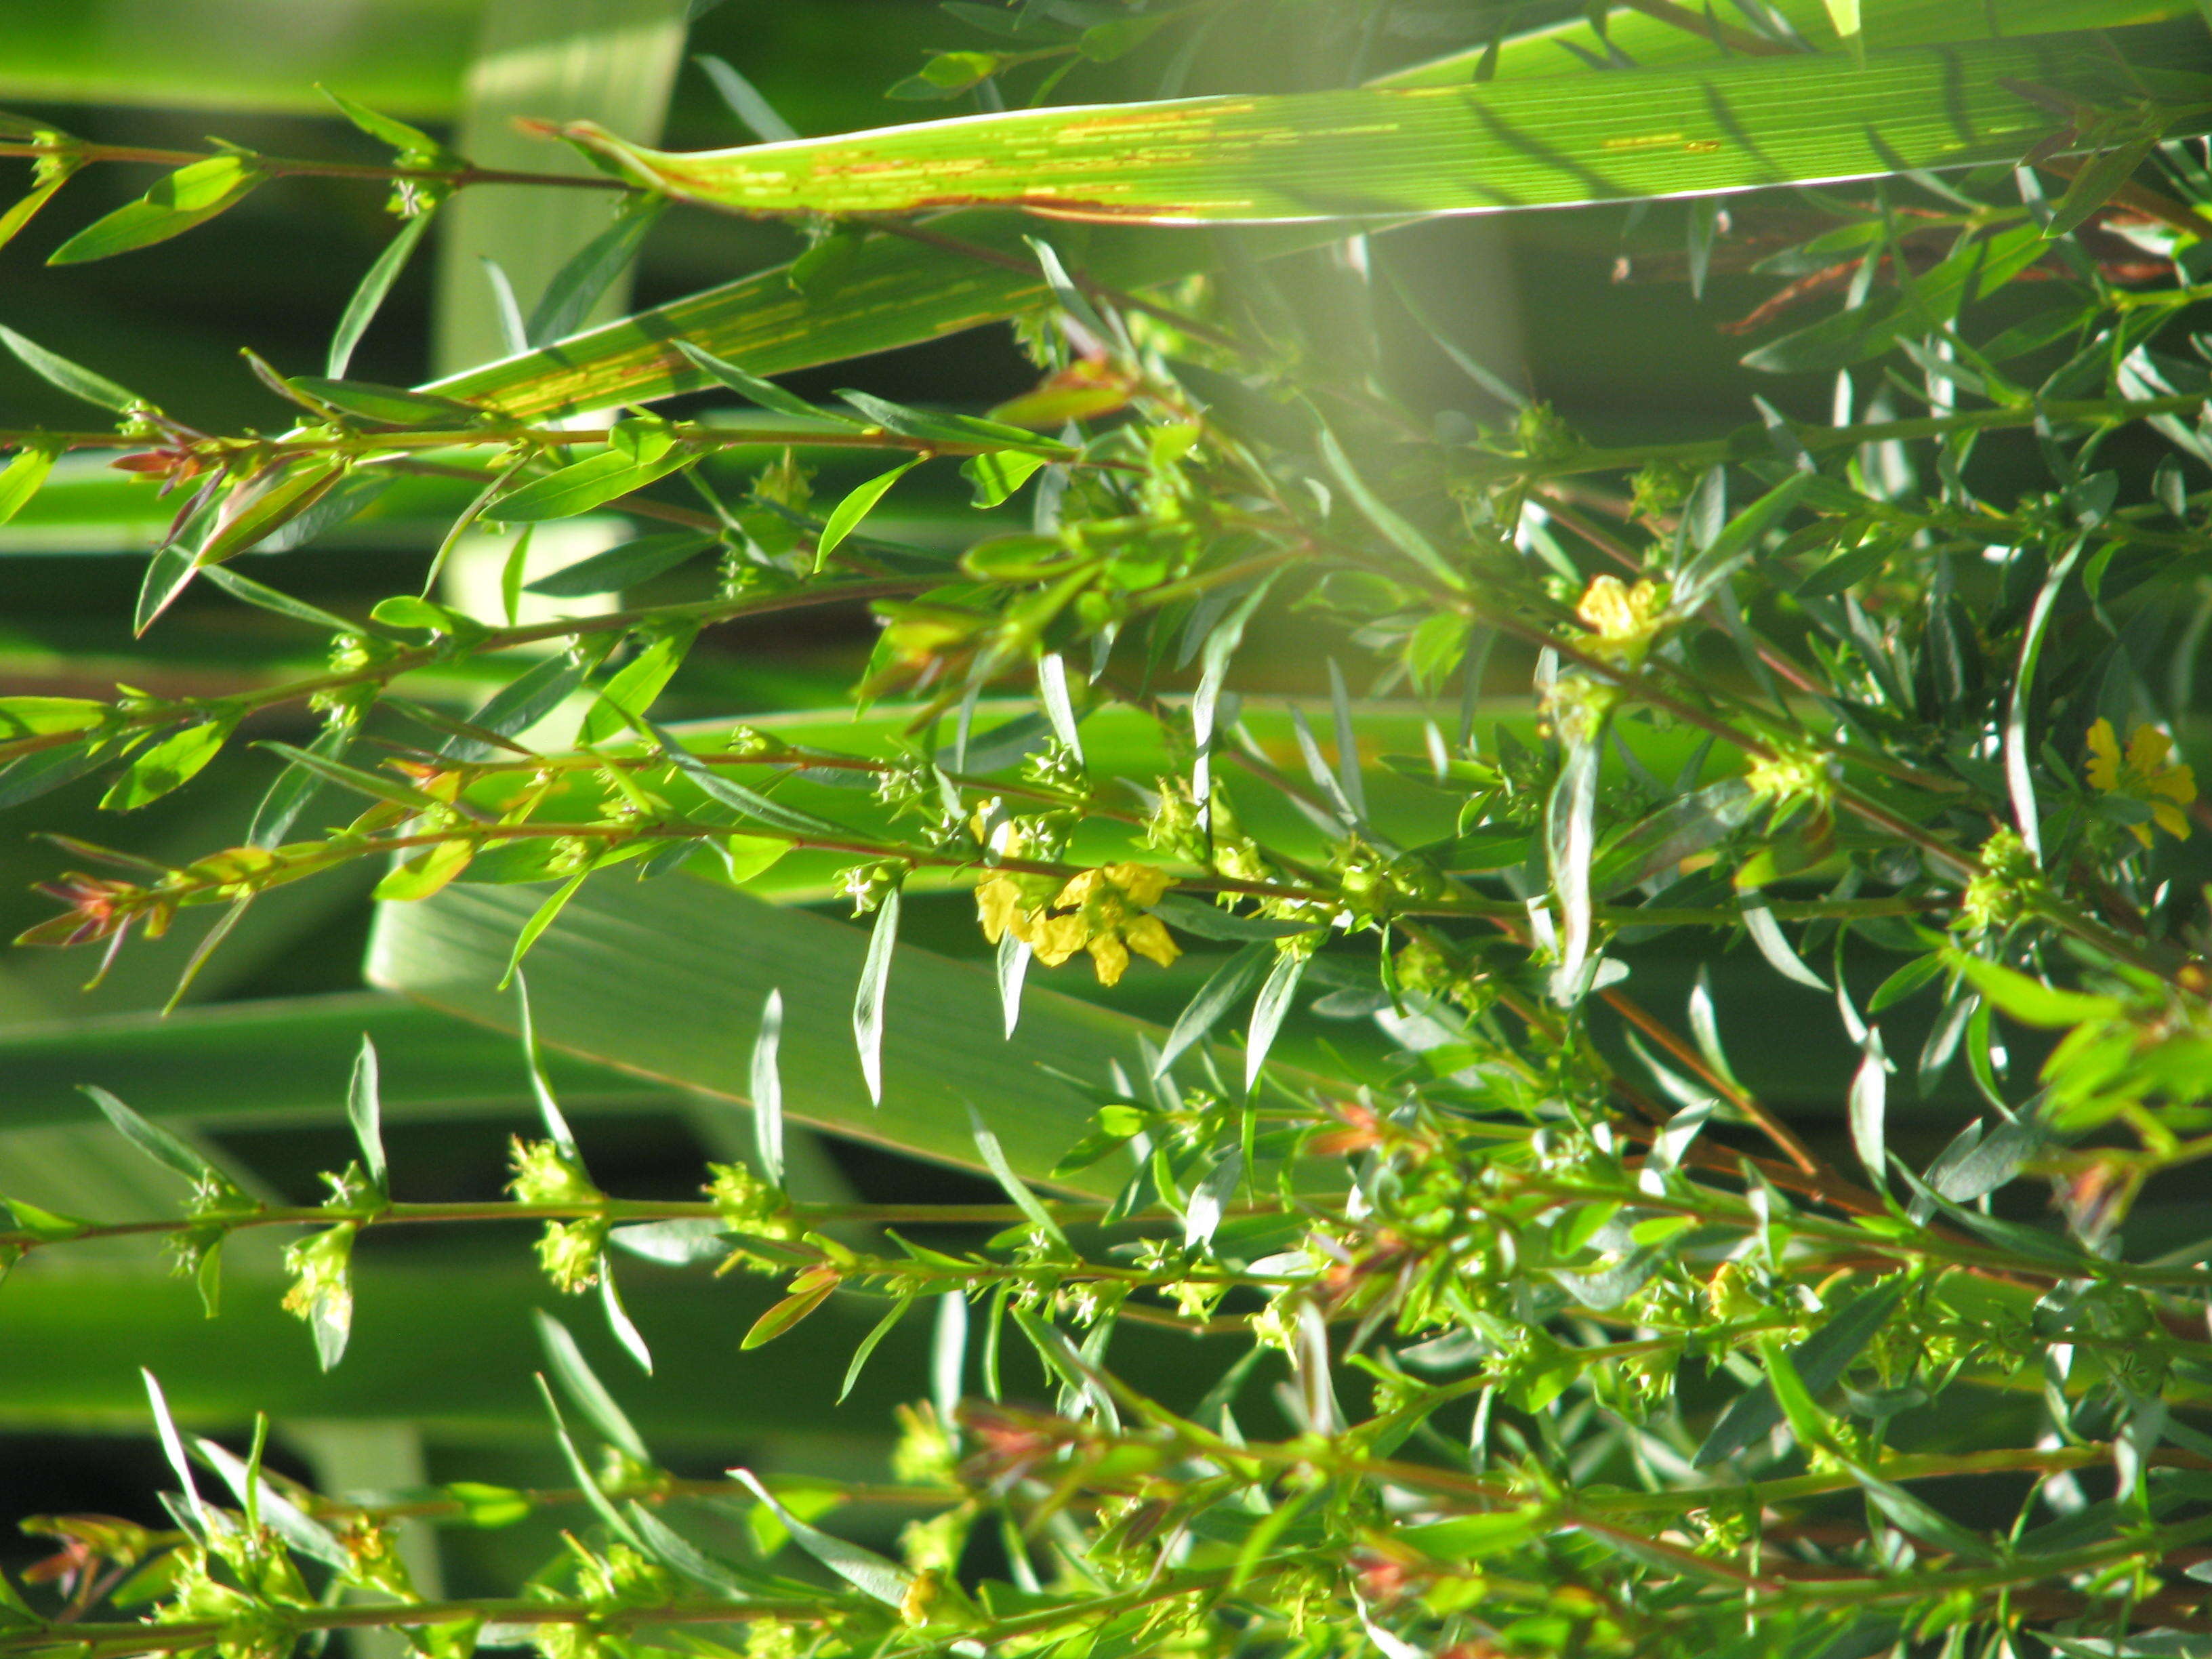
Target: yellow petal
[(998, 907), (1110, 958), (1148, 939), (1081, 888), (2140, 831), (2147, 750), (2104, 757), (2169, 819), (1145, 883), (1057, 939), (2177, 783)]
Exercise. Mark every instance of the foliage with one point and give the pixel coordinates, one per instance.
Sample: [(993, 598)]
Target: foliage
[(1526, 1327)]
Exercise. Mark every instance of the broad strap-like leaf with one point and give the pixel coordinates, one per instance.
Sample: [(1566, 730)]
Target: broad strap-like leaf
[(1368, 153)]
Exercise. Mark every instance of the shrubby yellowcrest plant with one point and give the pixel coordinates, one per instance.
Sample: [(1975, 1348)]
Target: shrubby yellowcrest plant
[(1426, 1283)]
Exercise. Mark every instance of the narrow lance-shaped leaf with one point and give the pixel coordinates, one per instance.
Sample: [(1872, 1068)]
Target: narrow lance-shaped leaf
[(151, 1139), (863, 1569), (172, 1445), (1051, 692), (1269, 1010), (582, 1386), (540, 919), (549, 1108), (868, 996), (766, 393), (365, 1111), (845, 518), (1820, 1361), (768, 1093), (580, 1473), (994, 1159), (948, 1354), (1013, 963), (579, 284), (1226, 986), (1766, 934), (64, 375), (1570, 839), (745, 102), (305, 1535), (2018, 756), (191, 196), (1870, 1097), (369, 297), (881, 1328), (1347, 742), (22, 477)]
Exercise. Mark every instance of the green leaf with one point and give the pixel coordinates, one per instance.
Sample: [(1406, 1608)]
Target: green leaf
[(368, 296), (629, 565), (1910, 1515), (863, 1569), (25, 207), (1191, 915), (378, 785), (1269, 1010), (625, 698), (2095, 184), (2029, 1000), (256, 509), (540, 919), (937, 426), (365, 1111), (170, 765), (582, 485), (153, 1139), (767, 1095), (60, 372), (1226, 986), (386, 405), (20, 480), (746, 103), (46, 717), (766, 393), (994, 1160), (1372, 507), (845, 518), (1819, 1363), (413, 145), (579, 285), (585, 1390), (172, 1444), (1766, 934), (581, 1472), (782, 1316), (529, 696), (191, 196), (282, 604), (1379, 155), (1865, 1108), (883, 1328), (298, 1529), (750, 802), (1000, 474), (868, 995)]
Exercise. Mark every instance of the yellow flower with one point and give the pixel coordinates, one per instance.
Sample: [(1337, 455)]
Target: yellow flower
[(2145, 774), (1101, 911), (1624, 619)]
